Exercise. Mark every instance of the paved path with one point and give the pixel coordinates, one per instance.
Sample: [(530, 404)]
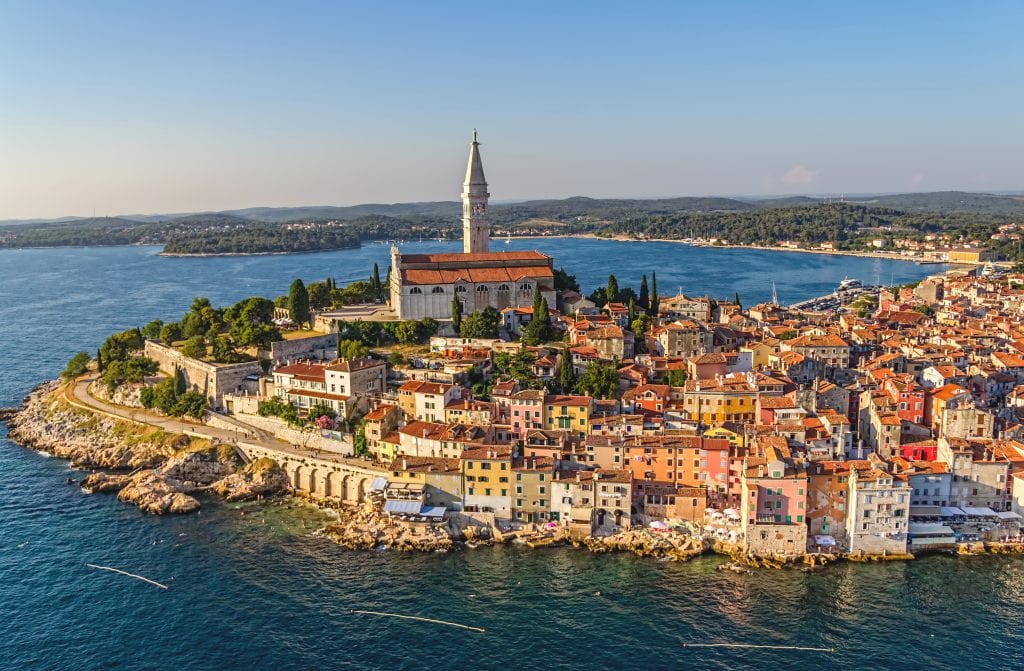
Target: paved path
[(78, 394)]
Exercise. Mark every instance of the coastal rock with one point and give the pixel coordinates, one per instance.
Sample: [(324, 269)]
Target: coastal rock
[(200, 468), (156, 494), (128, 395), (105, 482), (262, 477), (88, 441)]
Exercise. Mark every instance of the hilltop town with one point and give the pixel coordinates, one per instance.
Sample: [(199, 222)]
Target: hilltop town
[(482, 397)]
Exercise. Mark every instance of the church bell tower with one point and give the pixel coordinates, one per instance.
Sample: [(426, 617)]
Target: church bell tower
[(475, 226)]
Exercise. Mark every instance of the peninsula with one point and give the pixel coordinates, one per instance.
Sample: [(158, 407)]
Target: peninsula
[(481, 397)]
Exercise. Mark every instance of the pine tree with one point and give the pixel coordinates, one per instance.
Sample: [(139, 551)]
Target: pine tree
[(654, 297), (612, 291), (644, 297), (456, 314)]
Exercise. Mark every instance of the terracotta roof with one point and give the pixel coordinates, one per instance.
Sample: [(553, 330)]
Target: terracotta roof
[(317, 394), (455, 257), (473, 275)]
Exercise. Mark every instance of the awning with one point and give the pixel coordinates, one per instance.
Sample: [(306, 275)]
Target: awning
[(824, 540), (929, 529), (1008, 515), (949, 511), (435, 512), (979, 512), (403, 507), (378, 484), (925, 511)]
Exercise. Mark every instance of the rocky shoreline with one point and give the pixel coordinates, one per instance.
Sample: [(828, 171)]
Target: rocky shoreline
[(147, 467)]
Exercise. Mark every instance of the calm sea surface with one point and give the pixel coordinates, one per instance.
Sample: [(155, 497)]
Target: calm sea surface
[(251, 589)]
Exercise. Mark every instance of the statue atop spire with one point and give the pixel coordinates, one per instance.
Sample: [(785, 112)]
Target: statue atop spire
[(475, 224)]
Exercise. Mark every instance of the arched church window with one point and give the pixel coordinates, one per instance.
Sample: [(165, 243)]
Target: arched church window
[(437, 290), (503, 287), (524, 287), (460, 289), (482, 287), (415, 290)]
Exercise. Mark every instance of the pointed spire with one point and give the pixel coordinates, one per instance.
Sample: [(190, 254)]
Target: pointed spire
[(475, 168)]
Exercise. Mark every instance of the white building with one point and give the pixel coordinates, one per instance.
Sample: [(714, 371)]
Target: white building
[(879, 512)]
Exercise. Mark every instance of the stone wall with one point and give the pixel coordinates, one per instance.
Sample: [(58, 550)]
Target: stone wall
[(321, 477), (314, 347), (213, 380), (280, 429), (776, 539)]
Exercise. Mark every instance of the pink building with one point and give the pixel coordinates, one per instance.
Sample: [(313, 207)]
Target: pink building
[(527, 412)]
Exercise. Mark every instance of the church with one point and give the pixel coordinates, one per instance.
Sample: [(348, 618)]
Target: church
[(422, 285)]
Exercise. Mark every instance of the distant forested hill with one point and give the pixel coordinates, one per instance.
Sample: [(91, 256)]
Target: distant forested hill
[(765, 221)]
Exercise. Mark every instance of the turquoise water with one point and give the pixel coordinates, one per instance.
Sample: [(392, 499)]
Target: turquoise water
[(257, 591)]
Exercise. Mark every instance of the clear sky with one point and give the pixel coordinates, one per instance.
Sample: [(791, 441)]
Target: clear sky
[(147, 106)]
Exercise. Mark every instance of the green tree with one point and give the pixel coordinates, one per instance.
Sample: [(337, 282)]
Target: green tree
[(566, 373), (170, 333), (180, 383), (599, 380), (655, 302), (222, 349), (99, 361), (396, 358), (564, 280), (644, 297), (676, 377), (252, 323), (321, 410), (121, 346), (611, 292), (352, 349), (298, 303), (639, 327), (133, 370), (631, 312), (736, 300), (481, 324), (191, 403), (78, 365), (151, 331), (359, 447), (456, 314), (194, 347), (319, 295), (378, 288), (539, 328), (199, 318), (407, 332)]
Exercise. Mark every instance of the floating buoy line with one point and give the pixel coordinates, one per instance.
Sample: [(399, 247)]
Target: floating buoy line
[(418, 619), (753, 645), (130, 575)]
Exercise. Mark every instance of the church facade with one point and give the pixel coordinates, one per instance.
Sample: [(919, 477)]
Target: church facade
[(422, 285)]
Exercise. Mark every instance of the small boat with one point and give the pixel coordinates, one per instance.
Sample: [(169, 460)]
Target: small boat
[(849, 284), (508, 239)]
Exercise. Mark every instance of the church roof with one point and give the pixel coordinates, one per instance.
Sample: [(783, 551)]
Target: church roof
[(473, 275)]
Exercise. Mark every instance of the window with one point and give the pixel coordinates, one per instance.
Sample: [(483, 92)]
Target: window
[(482, 287), (460, 290), (415, 290), (503, 287), (525, 287), (437, 290)]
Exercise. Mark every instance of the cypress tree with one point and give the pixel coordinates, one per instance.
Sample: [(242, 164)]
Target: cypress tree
[(612, 291), (456, 314), (736, 300), (566, 374), (654, 297), (375, 280), (298, 303), (99, 361), (631, 315), (644, 297)]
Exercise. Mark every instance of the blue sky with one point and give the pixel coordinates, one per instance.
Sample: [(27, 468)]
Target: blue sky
[(114, 108)]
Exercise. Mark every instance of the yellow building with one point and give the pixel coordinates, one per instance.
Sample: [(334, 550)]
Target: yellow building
[(968, 255), (568, 413), (531, 494), (760, 352), (440, 478), (735, 439), (713, 402), (486, 474)]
